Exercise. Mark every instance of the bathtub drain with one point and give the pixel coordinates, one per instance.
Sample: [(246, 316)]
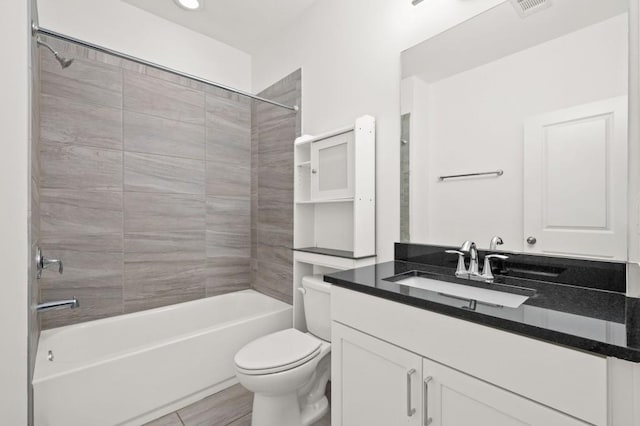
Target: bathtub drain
[(50, 356)]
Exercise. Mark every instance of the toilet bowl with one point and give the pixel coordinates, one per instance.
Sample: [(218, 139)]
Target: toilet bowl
[(288, 370)]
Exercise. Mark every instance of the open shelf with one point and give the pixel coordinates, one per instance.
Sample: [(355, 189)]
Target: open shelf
[(331, 252), (334, 204), (340, 200)]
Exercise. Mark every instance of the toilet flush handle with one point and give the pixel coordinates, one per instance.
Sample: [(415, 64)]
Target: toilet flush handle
[(302, 290)]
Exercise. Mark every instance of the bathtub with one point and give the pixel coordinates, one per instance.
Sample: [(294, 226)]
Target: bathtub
[(133, 368)]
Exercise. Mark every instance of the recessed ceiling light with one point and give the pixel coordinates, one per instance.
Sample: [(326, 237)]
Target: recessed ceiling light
[(188, 4)]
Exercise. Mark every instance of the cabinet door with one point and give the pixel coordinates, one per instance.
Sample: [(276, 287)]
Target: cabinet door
[(374, 383), (575, 181), (452, 398), (332, 168)]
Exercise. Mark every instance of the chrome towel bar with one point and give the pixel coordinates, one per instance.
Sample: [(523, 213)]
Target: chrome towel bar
[(497, 173)]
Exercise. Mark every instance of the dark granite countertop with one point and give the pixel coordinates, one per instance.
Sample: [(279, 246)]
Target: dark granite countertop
[(593, 320)]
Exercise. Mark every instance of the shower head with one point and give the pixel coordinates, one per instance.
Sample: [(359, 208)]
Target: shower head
[(64, 62)]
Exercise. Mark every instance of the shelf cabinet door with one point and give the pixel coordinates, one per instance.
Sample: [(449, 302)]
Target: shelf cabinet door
[(374, 383), (452, 398), (332, 168)]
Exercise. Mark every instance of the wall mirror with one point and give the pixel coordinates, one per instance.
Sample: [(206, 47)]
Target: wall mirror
[(517, 127)]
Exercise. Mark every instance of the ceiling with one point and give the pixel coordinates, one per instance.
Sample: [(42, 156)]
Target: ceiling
[(243, 24), (499, 32)]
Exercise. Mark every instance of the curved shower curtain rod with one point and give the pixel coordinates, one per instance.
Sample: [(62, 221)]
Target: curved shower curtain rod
[(35, 30)]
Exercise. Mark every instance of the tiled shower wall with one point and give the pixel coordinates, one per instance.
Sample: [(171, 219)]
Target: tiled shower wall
[(145, 187), (34, 208), (273, 131)]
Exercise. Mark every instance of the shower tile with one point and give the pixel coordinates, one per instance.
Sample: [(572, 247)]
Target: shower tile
[(219, 409), (243, 421), (276, 176), (225, 178), (66, 166), (162, 99), (275, 280), (149, 212), (274, 213), (93, 273), (83, 242), (163, 268), (94, 304), (275, 246), (80, 123), (228, 214), (168, 420), (164, 246), (68, 212), (84, 80), (236, 244), (150, 284), (155, 135), (228, 129), (227, 274), (159, 173)]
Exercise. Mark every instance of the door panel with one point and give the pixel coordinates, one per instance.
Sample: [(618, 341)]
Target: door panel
[(575, 180), (332, 167), (374, 383), (452, 398)]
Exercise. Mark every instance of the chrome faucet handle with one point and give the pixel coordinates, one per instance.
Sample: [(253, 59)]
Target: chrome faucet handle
[(43, 263), (487, 273), (48, 262), (461, 269)]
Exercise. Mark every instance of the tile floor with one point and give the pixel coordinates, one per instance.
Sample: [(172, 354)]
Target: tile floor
[(231, 407)]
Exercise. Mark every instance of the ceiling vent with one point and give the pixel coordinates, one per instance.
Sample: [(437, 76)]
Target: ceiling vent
[(529, 7)]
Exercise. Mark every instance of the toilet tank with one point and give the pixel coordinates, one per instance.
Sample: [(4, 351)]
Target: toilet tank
[(317, 306)]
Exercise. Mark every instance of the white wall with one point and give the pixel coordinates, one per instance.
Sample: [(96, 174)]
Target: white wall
[(14, 193), (349, 52), (125, 28), (475, 123)]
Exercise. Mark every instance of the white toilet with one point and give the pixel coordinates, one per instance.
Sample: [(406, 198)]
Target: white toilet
[(288, 370)]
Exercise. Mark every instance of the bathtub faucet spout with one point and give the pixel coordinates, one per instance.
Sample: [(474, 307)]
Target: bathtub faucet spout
[(60, 304)]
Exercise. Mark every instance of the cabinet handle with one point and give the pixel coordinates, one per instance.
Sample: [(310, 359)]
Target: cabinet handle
[(410, 411), (425, 402)]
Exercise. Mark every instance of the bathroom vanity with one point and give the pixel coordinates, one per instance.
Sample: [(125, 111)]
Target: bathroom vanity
[(568, 355)]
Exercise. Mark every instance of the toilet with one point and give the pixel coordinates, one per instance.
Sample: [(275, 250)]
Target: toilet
[(288, 370)]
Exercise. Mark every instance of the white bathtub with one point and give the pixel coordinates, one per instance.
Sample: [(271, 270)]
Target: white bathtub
[(133, 368)]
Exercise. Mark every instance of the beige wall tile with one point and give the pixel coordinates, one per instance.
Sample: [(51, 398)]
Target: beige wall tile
[(159, 173), (156, 135), (160, 98), (75, 167)]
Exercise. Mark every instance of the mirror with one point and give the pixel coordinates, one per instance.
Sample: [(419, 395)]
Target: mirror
[(517, 127)]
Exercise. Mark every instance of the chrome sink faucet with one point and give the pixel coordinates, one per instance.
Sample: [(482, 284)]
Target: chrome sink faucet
[(473, 272)]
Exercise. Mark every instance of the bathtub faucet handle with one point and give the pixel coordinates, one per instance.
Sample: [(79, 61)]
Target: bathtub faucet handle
[(43, 263)]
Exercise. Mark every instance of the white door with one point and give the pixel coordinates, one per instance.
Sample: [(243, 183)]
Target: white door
[(575, 181), (373, 383), (452, 398), (332, 168)]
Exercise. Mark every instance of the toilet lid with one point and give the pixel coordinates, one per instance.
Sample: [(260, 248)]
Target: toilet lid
[(278, 351)]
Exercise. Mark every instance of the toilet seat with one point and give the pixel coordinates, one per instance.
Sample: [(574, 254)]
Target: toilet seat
[(277, 352)]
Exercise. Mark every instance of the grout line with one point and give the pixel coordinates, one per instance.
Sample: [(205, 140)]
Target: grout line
[(179, 418)]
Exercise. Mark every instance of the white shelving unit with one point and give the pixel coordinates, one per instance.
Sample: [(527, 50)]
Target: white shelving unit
[(334, 212)]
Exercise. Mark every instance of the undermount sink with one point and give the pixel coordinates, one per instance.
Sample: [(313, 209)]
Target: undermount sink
[(511, 299)]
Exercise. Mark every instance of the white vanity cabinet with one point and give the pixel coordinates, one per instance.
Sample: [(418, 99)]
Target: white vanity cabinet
[(452, 398), (477, 375), (379, 382), (376, 383)]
